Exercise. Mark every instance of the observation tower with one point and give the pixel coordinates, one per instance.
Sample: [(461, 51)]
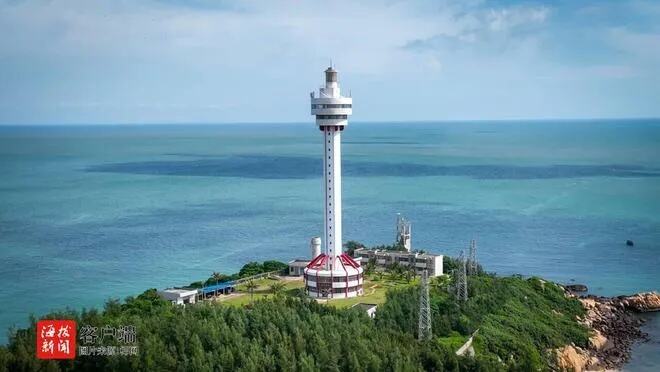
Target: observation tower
[(332, 274)]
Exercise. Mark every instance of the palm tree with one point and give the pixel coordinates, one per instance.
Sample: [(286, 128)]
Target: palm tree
[(277, 288), (371, 266), (410, 273), (216, 276), (251, 286)]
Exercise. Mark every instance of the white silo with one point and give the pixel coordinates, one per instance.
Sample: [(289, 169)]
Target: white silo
[(315, 245)]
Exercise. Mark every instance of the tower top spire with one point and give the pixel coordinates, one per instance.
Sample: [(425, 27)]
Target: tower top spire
[(330, 107), (330, 75)]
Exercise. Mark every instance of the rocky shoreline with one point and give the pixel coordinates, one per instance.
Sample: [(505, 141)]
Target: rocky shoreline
[(615, 325)]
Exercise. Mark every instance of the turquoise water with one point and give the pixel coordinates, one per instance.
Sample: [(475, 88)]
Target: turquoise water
[(90, 212)]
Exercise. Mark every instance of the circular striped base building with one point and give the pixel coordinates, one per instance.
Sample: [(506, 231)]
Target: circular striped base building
[(342, 278)]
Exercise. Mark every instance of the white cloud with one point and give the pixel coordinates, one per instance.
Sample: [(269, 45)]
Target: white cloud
[(641, 44), (509, 18), (252, 62)]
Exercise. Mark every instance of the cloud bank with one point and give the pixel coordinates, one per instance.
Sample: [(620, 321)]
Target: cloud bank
[(97, 61)]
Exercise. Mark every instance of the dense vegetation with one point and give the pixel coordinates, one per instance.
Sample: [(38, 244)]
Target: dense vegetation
[(518, 321), (280, 334)]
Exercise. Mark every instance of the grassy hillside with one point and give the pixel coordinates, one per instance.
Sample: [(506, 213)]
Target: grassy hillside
[(518, 319)]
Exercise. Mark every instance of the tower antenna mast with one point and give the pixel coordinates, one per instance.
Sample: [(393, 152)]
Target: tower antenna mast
[(403, 232)]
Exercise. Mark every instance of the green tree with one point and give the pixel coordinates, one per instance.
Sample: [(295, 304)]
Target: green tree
[(250, 269), (251, 286), (277, 288), (370, 267), (351, 246), (272, 265)]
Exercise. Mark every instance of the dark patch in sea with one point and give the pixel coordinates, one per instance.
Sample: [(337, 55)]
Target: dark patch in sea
[(380, 143), (191, 155), (293, 167)]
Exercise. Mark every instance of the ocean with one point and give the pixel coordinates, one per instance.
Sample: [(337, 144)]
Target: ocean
[(93, 212)]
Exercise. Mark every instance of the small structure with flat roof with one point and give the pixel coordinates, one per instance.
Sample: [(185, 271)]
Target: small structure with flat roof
[(179, 296), (370, 309), (216, 289), (297, 267)]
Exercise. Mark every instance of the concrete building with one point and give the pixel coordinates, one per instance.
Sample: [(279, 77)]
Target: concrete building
[(297, 267), (420, 261), (332, 274), (179, 296)]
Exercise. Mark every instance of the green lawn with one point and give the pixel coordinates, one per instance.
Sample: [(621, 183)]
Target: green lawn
[(374, 293), (375, 287), (262, 291)]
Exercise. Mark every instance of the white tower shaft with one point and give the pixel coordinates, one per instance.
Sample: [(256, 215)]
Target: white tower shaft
[(332, 110), (332, 274), (332, 183)]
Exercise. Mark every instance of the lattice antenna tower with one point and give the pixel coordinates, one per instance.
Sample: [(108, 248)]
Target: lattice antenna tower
[(472, 258), (403, 232), (424, 332), (461, 278)]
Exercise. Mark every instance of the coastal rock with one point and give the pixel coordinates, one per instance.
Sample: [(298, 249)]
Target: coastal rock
[(571, 358), (588, 303), (614, 328), (576, 287), (643, 302), (597, 341)]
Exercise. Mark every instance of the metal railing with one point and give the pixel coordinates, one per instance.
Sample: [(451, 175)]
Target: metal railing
[(255, 277)]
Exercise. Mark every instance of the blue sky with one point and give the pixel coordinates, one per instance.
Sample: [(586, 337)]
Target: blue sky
[(126, 61)]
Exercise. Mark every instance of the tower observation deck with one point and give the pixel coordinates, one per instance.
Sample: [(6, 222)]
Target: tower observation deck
[(332, 274)]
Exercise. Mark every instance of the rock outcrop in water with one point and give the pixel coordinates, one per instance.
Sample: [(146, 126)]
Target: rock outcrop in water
[(576, 287), (615, 328), (642, 302)]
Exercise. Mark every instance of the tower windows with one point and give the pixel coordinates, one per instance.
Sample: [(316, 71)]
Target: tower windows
[(331, 105), (324, 117)]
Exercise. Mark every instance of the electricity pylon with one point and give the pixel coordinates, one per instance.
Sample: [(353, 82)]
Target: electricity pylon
[(424, 332), (461, 278), (472, 258)]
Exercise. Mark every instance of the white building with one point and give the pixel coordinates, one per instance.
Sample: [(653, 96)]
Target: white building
[(297, 267), (384, 258), (179, 296), (332, 274), (370, 309)]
